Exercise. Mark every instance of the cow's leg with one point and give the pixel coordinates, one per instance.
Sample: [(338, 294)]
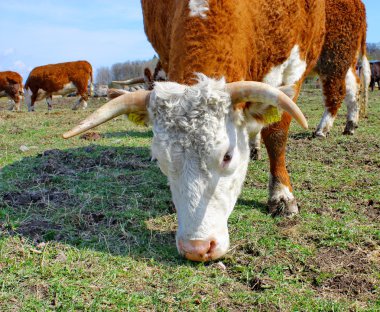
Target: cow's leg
[(32, 101), (334, 90), (84, 104), (281, 200), (80, 102), (352, 101), (11, 104), (255, 146), (49, 102), (76, 104), (17, 105), (372, 84)]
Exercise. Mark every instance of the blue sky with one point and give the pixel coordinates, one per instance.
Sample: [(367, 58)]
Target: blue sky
[(38, 32)]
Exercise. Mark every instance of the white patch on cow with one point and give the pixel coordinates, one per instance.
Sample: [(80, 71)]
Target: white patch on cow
[(194, 127), (288, 72), (352, 97), (67, 89), (2, 94), (198, 8), (278, 191), (366, 68), (325, 124)]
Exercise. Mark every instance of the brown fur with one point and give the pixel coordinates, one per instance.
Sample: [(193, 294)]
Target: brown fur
[(11, 84), (345, 39), (52, 78)]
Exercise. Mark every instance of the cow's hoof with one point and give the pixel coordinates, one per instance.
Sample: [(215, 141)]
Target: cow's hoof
[(255, 154), (283, 207), (319, 134), (350, 128)]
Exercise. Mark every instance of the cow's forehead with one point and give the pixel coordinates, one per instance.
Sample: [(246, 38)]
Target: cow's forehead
[(189, 116)]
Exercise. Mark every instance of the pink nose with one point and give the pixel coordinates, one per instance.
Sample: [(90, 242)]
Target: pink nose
[(197, 250)]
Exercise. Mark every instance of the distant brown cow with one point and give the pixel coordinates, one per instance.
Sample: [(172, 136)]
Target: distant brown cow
[(11, 86), (58, 79), (375, 74)]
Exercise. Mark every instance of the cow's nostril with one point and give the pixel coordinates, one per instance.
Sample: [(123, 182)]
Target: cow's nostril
[(212, 246)]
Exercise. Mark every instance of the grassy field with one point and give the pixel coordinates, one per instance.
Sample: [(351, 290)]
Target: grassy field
[(87, 224)]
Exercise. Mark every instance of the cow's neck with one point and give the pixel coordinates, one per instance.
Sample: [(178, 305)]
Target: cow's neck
[(213, 45)]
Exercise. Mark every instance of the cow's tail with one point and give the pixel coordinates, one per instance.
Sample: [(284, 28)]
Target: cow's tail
[(365, 78)]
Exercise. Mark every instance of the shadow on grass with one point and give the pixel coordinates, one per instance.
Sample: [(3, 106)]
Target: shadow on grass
[(109, 199), (307, 135), (253, 204), (132, 134)]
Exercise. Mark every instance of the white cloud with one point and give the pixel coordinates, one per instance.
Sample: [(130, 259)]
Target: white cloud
[(8, 51)]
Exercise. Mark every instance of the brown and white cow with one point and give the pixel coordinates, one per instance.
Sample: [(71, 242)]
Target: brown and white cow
[(58, 79), (345, 41), (201, 125), (11, 87)]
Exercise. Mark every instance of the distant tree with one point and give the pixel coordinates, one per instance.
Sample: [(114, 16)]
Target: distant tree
[(373, 51), (103, 76)]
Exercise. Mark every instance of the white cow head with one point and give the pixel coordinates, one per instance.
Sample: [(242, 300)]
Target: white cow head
[(201, 144)]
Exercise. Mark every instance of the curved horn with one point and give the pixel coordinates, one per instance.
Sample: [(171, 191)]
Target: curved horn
[(130, 81), (253, 91), (125, 104)]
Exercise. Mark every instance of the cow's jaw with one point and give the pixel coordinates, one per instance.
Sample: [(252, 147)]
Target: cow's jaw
[(194, 129)]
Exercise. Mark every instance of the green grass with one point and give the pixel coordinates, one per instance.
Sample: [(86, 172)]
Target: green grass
[(88, 225)]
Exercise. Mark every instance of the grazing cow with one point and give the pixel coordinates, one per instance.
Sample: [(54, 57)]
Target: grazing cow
[(375, 74), (345, 40), (58, 79), (11, 86), (201, 126)]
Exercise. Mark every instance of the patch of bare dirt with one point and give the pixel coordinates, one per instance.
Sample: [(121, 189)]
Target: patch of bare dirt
[(39, 230), (372, 210), (344, 272), (59, 162), (41, 198), (91, 136)]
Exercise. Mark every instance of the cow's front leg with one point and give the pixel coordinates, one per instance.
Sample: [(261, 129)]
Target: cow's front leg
[(49, 101), (281, 199)]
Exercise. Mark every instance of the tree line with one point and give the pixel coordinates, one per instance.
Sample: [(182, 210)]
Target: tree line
[(123, 71), (132, 69), (373, 51)]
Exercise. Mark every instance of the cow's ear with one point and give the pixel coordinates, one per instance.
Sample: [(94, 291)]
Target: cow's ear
[(264, 113)]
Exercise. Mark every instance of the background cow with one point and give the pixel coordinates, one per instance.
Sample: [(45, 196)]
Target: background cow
[(58, 79), (345, 40), (11, 86), (201, 125), (375, 74)]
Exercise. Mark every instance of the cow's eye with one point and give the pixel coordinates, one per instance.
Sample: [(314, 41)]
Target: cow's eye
[(227, 157)]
